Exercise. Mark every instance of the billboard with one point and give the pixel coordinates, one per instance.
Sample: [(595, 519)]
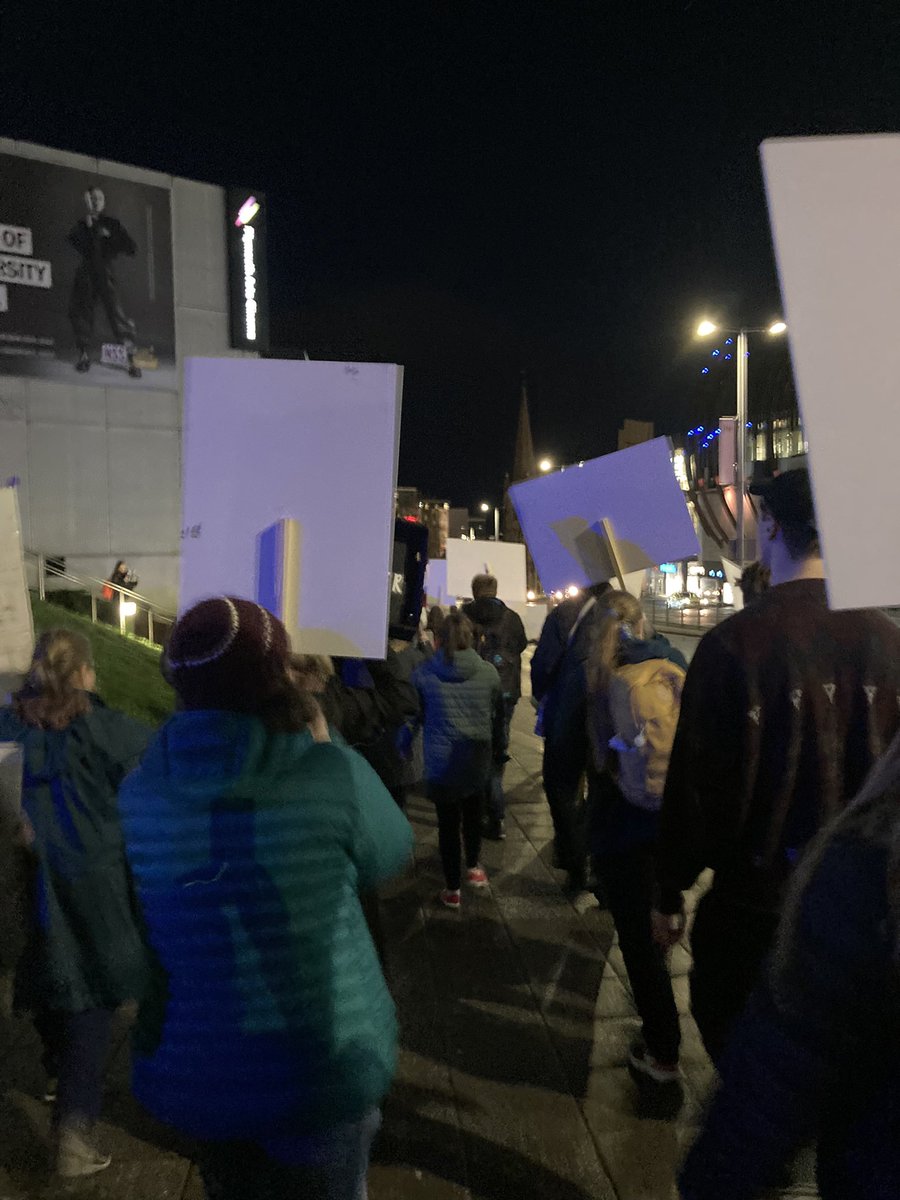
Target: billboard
[(86, 287)]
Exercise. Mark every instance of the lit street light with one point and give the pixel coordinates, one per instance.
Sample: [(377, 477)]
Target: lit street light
[(486, 508), (704, 329), (545, 465)]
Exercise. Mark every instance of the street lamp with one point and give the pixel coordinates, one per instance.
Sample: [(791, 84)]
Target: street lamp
[(486, 508), (704, 329), (545, 465)]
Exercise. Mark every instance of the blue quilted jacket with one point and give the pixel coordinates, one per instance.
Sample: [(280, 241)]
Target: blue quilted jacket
[(462, 712), (269, 1014)]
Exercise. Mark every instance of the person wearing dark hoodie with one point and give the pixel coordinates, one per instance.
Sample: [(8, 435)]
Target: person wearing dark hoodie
[(500, 639), (463, 720), (83, 955), (559, 685), (634, 693)]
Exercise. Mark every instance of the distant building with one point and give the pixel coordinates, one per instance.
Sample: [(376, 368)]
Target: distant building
[(633, 433), (435, 514)]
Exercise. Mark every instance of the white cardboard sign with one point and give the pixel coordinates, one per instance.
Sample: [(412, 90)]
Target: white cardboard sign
[(314, 441), (505, 560), (635, 489), (16, 627), (834, 204)]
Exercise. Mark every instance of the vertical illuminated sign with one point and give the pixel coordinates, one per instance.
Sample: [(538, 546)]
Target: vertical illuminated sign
[(247, 274)]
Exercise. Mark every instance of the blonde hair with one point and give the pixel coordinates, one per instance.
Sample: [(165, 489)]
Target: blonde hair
[(52, 696), (455, 634), (623, 618)]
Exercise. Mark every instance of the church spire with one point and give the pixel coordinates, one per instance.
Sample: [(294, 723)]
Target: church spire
[(523, 459)]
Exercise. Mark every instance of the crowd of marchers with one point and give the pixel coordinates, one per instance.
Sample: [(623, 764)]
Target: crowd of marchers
[(221, 870)]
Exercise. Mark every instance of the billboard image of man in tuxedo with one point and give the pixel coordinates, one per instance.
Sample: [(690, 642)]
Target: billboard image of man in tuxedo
[(99, 239)]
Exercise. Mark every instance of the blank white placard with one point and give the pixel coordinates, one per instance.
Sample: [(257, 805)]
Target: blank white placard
[(635, 489), (505, 560), (316, 441), (834, 204)]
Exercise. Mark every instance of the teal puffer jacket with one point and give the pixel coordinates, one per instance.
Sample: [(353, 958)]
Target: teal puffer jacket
[(269, 1014), (462, 712)]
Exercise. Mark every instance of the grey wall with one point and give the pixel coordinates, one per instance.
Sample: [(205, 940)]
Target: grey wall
[(100, 466)]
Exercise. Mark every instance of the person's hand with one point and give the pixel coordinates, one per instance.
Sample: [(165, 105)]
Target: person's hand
[(318, 727), (668, 928)]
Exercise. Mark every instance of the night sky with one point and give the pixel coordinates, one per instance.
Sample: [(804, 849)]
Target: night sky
[(474, 189)]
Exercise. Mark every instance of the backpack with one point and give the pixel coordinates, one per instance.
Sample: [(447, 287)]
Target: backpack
[(644, 701), (489, 646)]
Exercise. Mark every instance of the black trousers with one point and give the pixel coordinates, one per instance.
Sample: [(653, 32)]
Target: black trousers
[(453, 814), (90, 288), (75, 1050), (729, 946), (629, 879)]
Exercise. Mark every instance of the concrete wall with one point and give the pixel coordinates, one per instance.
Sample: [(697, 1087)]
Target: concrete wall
[(100, 466)]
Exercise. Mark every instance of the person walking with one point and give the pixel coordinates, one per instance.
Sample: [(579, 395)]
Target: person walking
[(634, 693), (463, 721), (500, 640), (268, 1033), (786, 707), (816, 1054), (83, 954), (559, 686)]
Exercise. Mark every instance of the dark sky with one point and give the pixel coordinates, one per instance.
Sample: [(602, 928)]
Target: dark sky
[(471, 189)]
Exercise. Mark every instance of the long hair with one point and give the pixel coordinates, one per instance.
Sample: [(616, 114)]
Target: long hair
[(52, 696), (873, 815), (621, 622), (456, 634)]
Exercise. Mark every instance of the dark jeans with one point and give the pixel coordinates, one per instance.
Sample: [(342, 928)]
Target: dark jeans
[(629, 878), (75, 1050), (451, 815), (330, 1165), (496, 801), (569, 810), (729, 946)]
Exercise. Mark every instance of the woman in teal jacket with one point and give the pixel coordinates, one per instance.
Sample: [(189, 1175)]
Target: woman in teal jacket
[(269, 1033), (83, 955)]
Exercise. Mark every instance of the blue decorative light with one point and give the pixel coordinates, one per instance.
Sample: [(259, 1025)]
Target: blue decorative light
[(729, 341), (705, 371), (749, 424), (728, 358), (699, 428), (716, 353)]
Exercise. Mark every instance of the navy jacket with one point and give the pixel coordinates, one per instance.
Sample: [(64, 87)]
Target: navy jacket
[(462, 711)]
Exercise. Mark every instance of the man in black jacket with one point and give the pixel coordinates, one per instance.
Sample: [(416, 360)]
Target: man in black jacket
[(99, 239), (785, 709), (500, 640), (559, 682)]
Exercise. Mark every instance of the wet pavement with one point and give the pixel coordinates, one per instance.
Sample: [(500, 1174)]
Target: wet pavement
[(516, 1018)]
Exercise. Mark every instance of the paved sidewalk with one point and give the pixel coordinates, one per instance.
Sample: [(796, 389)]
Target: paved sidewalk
[(515, 1017)]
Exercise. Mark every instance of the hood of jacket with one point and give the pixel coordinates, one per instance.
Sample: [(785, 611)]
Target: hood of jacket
[(207, 753), (640, 650), (487, 611), (466, 664)]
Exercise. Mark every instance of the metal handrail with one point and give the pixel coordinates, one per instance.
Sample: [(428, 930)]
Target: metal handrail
[(90, 585)]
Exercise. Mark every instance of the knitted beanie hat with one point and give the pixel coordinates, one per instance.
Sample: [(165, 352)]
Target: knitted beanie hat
[(228, 654)]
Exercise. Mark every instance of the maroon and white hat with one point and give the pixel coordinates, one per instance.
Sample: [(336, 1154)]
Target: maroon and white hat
[(226, 653)]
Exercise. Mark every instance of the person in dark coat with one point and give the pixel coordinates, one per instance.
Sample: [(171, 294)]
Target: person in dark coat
[(499, 639), (559, 684), (816, 1054), (462, 715), (84, 955), (99, 239)]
